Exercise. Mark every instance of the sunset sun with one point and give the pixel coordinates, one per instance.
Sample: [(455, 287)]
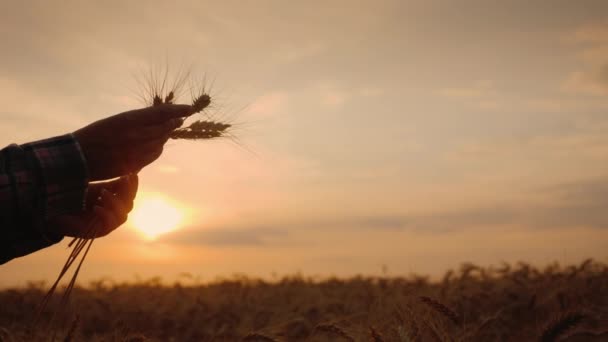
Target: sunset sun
[(154, 215)]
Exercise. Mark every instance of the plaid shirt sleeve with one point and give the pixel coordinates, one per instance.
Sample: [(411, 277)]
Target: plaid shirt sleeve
[(38, 181)]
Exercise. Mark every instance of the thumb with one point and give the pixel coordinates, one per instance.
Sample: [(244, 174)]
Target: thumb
[(117, 185)]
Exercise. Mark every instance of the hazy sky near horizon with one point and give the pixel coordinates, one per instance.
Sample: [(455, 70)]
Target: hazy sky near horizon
[(412, 134)]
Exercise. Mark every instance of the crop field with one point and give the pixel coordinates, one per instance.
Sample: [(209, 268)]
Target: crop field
[(506, 303)]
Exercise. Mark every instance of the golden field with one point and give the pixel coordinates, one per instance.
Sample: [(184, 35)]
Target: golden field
[(505, 303)]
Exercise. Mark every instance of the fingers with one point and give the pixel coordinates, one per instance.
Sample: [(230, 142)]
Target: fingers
[(150, 157), (133, 158), (113, 203), (153, 132), (105, 222), (112, 212), (128, 189), (157, 114), (144, 154), (141, 132), (140, 159), (109, 204)]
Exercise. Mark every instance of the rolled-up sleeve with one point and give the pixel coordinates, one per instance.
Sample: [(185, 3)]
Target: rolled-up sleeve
[(38, 181)]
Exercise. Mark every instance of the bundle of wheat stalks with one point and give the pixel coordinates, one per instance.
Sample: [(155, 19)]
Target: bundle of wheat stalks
[(155, 93)]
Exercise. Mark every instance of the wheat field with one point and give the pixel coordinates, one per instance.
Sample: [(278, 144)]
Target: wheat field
[(507, 303)]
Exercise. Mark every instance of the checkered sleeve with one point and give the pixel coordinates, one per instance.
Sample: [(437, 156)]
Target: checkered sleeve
[(61, 172), (38, 181)]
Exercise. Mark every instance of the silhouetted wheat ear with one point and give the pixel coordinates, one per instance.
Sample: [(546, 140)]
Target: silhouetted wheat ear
[(169, 98), (200, 129), (442, 309), (335, 330), (255, 337), (157, 100), (70, 335), (376, 337), (560, 326), (201, 102)]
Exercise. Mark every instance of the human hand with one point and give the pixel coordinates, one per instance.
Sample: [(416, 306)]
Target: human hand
[(107, 208), (126, 142)]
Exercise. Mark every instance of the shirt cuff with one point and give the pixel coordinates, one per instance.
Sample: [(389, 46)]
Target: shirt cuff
[(27, 245), (63, 175)]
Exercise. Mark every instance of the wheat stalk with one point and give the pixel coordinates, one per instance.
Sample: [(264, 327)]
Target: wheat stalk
[(80, 244), (442, 309), (255, 337), (560, 326), (70, 335), (332, 329)]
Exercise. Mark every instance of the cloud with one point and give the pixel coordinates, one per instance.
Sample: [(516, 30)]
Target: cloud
[(332, 93), (476, 90), (590, 33), (371, 91), (592, 78), (382, 223), (575, 149), (334, 98), (579, 204), (603, 74), (572, 205), (568, 205), (481, 94), (221, 237), (280, 233), (291, 52), (269, 104), (592, 82), (336, 94)]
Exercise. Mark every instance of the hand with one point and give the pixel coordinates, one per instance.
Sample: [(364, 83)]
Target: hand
[(126, 142), (108, 205)]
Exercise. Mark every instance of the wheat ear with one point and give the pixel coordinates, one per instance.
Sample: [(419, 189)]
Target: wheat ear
[(560, 326), (442, 309)]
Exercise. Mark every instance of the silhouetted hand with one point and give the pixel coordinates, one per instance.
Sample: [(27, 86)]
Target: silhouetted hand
[(107, 207), (126, 142)]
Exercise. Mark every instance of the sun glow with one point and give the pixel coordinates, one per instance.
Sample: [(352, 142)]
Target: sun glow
[(154, 215)]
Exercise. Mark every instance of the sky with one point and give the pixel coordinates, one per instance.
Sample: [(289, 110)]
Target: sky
[(374, 137)]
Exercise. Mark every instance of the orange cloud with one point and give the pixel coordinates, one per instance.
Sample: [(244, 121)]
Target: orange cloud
[(269, 104), (592, 78)]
